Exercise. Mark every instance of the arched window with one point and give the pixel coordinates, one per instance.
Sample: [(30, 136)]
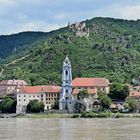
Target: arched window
[(66, 72)]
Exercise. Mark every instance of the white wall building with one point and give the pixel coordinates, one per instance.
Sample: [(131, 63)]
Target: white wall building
[(49, 95)]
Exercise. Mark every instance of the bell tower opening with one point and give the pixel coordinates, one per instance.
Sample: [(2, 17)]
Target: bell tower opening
[(66, 73)]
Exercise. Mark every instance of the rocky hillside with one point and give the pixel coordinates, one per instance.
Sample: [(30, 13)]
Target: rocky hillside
[(102, 47)]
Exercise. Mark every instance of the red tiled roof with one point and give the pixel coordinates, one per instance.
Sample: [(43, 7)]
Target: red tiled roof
[(39, 89), (14, 82), (134, 94), (90, 82), (90, 91), (75, 91)]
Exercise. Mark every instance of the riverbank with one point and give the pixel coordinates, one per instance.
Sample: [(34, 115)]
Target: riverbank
[(82, 115), (53, 115), (105, 115)]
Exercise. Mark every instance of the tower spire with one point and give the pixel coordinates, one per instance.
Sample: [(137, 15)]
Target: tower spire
[(66, 84)]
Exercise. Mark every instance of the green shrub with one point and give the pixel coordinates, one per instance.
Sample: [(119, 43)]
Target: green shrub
[(35, 106), (104, 114), (75, 115)]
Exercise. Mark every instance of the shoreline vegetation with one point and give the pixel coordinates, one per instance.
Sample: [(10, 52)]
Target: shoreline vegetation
[(81, 115)]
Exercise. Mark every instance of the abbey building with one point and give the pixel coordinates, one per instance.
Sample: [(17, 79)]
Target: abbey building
[(71, 88)]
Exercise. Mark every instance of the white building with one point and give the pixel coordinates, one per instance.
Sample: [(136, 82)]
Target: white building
[(49, 95)]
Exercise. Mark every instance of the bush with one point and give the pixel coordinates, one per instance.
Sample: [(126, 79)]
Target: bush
[(82, 94), (105, 102), (118, 115), (104, 114), (132, 104), (35, 106), (8, 105), (75, 115), (95, 115)]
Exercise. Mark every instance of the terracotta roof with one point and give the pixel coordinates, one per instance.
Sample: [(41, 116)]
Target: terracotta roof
[(134, 94), (14, 82), (90, 91), (90, 82), (75, 91), (39, 89)]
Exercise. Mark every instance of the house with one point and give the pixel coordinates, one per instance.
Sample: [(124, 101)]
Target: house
[(134, 95), (48, 94), (92, 85), (9, 87)]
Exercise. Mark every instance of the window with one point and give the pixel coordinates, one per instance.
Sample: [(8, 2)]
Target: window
[(24, 95), (19, 99), (19, 96), (66, 72), (24, 99)]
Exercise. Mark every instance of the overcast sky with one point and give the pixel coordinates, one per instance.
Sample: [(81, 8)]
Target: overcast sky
[(47, 15)]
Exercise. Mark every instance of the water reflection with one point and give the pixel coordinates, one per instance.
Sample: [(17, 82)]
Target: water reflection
[(69, 129)]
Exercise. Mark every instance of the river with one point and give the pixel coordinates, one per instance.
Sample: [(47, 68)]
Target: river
[(70, 129)]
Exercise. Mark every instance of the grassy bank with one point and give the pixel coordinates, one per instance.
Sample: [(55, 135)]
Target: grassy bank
[(105, 115), (82, 115), (45, 116)]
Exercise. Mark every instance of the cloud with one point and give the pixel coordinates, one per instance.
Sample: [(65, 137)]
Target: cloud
[(47, 15), (29, 26), (7, 3), (130, 12)]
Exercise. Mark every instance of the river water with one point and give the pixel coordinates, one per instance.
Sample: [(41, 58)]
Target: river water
[(70, 129)]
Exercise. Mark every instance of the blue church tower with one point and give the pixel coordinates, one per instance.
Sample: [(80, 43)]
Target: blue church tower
[(66, 97)]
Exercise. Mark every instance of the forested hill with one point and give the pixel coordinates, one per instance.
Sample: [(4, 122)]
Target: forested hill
[(12, 44), (102, 47)]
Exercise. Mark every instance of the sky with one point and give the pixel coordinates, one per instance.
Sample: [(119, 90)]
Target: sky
[(46, 15)]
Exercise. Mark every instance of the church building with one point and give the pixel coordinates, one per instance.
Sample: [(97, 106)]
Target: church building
[(71, 88), (66, 101)]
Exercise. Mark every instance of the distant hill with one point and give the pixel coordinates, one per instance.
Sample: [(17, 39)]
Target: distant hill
[(12, 44), (100, 47)]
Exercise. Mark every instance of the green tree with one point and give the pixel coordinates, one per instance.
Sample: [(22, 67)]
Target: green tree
[(55, 106), (35, 106), (82, 94), (132, 104), (105, 102), (118, 91), (101, 94), (8, 105)]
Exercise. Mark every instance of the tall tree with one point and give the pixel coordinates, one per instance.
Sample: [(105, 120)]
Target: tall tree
[(118, 91)]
